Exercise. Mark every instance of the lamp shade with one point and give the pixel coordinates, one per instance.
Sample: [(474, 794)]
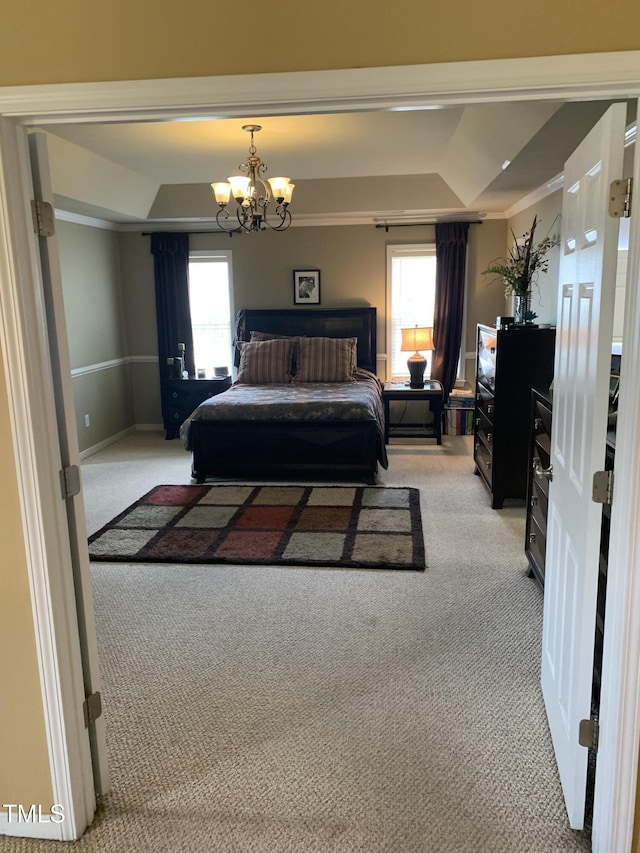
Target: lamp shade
[(417, 338)]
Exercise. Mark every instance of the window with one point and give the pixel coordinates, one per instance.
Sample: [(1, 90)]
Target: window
[(411, 293), (211, 309)]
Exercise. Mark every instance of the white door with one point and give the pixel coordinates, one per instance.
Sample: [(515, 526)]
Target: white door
[(69, 455), (580, 405)]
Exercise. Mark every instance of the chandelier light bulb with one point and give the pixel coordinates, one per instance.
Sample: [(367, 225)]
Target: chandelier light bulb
[(252, 195), (222, 192)]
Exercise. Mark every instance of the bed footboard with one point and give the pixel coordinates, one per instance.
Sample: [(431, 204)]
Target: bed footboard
[(255, 450)]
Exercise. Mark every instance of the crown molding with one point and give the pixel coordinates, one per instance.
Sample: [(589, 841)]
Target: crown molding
[(594, 75), (536, 196), (80, 219)]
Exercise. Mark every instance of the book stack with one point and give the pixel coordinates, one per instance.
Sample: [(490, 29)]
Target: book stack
[(458, 412)]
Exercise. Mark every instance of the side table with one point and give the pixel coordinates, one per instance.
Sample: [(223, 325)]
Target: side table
[(181, 396), (431, 393)]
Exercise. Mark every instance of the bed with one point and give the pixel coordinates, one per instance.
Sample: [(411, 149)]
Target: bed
[(272, 426)]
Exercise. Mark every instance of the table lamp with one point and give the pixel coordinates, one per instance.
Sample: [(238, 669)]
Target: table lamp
[(413, 340)]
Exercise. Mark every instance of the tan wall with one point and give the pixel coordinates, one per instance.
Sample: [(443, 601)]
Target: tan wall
[(80, 41), (95, 316), (24, 763)]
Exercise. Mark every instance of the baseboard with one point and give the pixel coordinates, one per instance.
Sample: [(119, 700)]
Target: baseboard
[(107, 441), (41, 827), (149, 427)]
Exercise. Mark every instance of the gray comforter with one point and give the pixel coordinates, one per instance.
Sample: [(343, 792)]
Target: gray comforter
[(318, 401)]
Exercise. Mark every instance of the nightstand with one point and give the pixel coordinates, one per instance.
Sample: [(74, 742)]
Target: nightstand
[(431, 393), (181, 396)]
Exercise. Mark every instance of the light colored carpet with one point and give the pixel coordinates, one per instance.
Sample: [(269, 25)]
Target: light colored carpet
[(279, 710)]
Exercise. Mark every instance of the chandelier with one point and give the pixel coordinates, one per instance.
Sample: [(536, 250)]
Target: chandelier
[(252, 195)]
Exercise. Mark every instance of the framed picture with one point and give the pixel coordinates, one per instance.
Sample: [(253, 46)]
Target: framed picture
[(306, 287)]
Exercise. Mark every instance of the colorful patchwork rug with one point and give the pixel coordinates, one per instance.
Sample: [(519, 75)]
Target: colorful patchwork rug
[(351, 526)]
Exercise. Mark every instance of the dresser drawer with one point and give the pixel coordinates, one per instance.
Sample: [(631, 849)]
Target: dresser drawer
[(483, 460), (536, 543), (485, 401), (542, 419), (543, 460), (484, 430), (538, 506)]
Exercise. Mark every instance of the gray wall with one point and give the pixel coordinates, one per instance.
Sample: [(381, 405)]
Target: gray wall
[(96, 331), (140, 325), (545, 294), (110, 300), (352, 263)]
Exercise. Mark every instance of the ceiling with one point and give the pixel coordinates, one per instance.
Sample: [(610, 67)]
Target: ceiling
[(387, 165)]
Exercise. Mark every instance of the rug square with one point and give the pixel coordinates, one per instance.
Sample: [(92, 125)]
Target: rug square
[(173, 495), (385, 497), (226, 495), (383, 549), (120, 543), (279, 495), (324, 518), (182, 544), (249, 545), (315, 547), (261, 517), (149, 516), (208, 516), (328, 496), (392, 520)]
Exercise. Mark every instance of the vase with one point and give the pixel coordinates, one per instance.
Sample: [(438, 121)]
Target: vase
[(522, 308)]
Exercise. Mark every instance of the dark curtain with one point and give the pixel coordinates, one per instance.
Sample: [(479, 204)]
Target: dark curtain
[(171, 266), (451, 253)]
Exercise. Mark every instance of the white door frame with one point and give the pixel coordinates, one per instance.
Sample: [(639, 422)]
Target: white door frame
[(617, 764), (25, 352), (589, 76)]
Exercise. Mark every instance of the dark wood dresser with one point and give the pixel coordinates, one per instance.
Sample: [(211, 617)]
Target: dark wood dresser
[(538, 484), (509, 362), (181, 396)]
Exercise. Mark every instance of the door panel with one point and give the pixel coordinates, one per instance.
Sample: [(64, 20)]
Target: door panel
[(581, 386), (69, 455)]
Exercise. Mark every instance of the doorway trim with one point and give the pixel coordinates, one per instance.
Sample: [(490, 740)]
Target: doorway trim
[(592, 76)]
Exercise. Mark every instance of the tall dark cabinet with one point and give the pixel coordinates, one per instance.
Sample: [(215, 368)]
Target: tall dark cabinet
[(509, 362)]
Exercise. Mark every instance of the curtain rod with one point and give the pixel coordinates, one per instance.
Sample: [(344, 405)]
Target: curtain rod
[(213, 231), (386, 226), (378, 225)]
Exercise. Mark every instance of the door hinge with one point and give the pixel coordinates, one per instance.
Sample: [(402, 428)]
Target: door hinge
[(43, 218), (92, 708), (620, 193), (70, 482), (602, 492), (588, 733)]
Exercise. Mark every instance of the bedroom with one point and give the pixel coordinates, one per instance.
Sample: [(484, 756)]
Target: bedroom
[(108, 274), (287, 287)]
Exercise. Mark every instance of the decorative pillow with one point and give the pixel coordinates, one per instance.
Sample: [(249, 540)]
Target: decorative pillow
[(271, 336), (264, 362), (326, 360)]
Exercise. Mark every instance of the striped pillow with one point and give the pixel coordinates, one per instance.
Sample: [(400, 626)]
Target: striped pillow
[(326, 360), (269, 336), (264, 362)]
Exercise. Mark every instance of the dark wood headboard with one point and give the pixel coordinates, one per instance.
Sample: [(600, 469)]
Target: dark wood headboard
[(357, 323)]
